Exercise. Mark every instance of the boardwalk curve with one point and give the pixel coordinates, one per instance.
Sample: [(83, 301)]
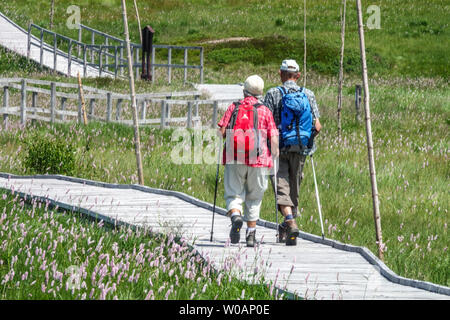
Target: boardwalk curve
[(15, 38), (315, 268)]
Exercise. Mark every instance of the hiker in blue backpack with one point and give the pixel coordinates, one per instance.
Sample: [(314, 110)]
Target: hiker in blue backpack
[(296, 116)]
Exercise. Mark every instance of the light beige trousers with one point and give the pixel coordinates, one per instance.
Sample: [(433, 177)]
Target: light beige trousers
[(244, 188)]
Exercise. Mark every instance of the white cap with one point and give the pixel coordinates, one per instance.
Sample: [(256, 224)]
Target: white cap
[(289, 65), (254, 85)]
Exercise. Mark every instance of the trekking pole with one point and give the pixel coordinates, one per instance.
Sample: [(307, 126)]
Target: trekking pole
[(276, 201), (215, 195), (317, 197)]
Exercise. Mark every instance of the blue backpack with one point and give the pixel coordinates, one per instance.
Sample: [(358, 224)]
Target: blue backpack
[(296, 119)]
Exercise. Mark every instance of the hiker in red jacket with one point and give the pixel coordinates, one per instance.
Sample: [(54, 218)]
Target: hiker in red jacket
[(248, 126)]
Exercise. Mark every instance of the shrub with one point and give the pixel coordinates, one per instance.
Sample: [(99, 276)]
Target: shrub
[(46, 154)]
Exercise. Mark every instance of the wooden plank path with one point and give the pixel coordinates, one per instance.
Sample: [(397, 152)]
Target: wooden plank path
[(15, 39), (314, 269), (232, 92)]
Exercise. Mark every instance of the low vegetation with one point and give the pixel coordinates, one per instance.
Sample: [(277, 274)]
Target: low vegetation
[(48, 254)]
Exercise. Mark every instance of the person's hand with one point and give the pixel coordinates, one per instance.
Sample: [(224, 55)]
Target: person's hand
[(318, 126), (221, 132), (275, 153)]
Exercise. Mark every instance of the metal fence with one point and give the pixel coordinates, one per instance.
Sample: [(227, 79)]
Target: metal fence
[(108, 57), (61, 102)]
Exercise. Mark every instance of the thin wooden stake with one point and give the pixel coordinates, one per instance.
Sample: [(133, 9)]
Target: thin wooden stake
[(83, 104), (373, 178), (133, 98), (304, 43), (139, 20), (52, 13), (341, 69)]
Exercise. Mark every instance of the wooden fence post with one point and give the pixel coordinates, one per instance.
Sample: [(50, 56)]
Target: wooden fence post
[(196, 105), (163, 114), (143, 109), (23, 104), (100, 61), (63, 107), (107, 53), (214, 117), (189, 115), (34, 105), (80, 30), (69, 56), (5, 102), (137, 63), (116, 64), (52, 101), (108, 107), (153, 64), (119, 108), (92, 43), (168, 107), (29, 42), (85, 60), (91, 108), (55, 56), (121, 59), (41, 53)]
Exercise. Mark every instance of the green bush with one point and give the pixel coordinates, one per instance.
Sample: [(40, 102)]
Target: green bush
[(46, 154)]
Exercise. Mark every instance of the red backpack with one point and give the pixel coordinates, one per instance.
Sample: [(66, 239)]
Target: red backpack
[(245, 134)]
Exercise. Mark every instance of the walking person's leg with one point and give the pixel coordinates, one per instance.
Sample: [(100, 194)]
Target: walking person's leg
[(297, 162), (256, 185), (286, 191), (234, 181), (283, 192)]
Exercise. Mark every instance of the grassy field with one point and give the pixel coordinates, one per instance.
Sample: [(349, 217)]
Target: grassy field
[(411, 41), (409, 73), (411, 149)]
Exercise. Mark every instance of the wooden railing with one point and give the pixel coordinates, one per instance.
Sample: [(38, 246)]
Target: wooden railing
[(61, 102), (107, 57)]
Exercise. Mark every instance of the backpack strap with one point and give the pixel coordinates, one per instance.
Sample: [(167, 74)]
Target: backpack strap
[(282, 90), (255, 127), (234, 114)]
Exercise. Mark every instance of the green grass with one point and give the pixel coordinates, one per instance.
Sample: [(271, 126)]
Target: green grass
[(411, 41), (49, 254)]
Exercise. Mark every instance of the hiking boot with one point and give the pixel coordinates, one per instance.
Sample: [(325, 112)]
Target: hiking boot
[(292, 233), (236, 224), (251, 238), (282, 232)]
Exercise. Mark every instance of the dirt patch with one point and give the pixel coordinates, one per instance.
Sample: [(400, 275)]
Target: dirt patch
[(226, 40)]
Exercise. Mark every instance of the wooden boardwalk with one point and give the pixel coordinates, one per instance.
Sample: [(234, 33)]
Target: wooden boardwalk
[(15, 39), (315, 268)]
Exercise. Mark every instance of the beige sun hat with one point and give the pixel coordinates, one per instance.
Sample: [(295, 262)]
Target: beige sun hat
[(254, 85)]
